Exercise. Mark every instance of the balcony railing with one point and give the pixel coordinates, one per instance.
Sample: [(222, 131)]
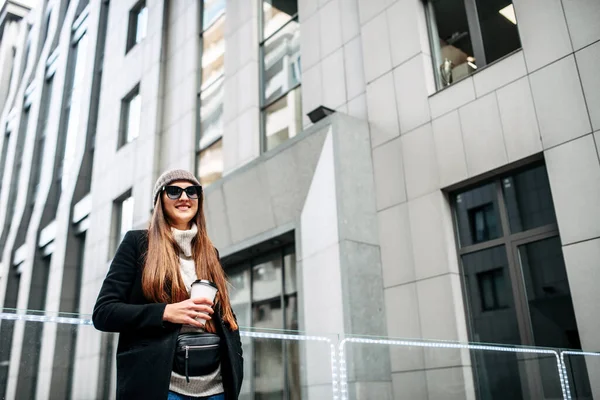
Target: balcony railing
[(45, 355)]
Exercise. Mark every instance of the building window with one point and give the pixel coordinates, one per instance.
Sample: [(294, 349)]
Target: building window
[(264, 296), (15, 176), (122, 220), (72, 107), (209, 144), (281, 98), (27, 50), (131, 109), (46, 28), (210, 163), (5, 143), (483, 223), (138, 24), (514, 277), (38, 160), (491, 289), (469, 34), (7, 328)]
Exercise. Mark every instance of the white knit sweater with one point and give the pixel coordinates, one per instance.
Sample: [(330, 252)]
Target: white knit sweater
[(199, 386)]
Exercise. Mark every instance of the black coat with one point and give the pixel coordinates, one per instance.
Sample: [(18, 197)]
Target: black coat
[(146, 342)]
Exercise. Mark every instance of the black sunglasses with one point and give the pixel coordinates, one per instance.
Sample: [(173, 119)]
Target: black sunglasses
[(174, 192)]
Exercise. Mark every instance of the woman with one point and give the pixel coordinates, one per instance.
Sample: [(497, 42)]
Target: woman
[(145, 297)]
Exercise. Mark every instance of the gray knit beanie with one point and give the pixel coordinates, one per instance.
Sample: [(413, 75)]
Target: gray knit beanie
[(172, 176)]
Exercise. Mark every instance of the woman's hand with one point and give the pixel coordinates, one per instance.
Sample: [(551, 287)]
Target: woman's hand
[(186, 312)]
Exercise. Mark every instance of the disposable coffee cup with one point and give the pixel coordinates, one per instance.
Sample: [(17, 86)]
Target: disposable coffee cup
[(203, 288)]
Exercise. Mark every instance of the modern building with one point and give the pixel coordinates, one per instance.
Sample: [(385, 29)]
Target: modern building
[(454, 194)]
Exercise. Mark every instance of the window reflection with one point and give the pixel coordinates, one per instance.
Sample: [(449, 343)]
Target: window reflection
[(550, 305), (210, 163), (79, 61), (239, 296), (213, 52), (477, 215), (212, 10), (141, 24), (493, 320), (548, 294), (277, 13), (126, 219), (259, 287), (283, 119), (211, 111), (138, 25), (209, 148), (517, 292), (266, 280), (133, 117), (282, 62), (528, 200)]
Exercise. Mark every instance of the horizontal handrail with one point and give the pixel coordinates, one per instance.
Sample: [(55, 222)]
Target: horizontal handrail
[(337, 353)]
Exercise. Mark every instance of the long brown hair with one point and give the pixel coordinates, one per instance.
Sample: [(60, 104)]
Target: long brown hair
[(161, 280)]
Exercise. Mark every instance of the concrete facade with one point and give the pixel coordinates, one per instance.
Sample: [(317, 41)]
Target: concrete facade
[(365, 191)]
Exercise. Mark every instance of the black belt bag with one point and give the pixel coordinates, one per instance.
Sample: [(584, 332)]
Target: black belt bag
[(196, 354)]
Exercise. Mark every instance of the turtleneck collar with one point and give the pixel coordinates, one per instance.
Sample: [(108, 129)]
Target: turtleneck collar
[(184, 239)]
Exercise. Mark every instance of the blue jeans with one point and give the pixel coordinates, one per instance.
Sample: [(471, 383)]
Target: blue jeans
[(177, 396)]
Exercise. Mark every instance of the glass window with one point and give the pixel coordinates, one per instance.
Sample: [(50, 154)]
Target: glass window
[(469, 34), (281, 63), (213, 53), (528, 200), (41, 139), (516, 287), (209, 146), (138, 24), (27, 51), (477, 215), (548, 294), (493, 314), (210, 163), (15, 173), (239, 296), (277, 13), (122, 221), (280, 72), (47, 25), (131, 109), (211, 111), (141, 25), (492, 290), (550, 305), (283, 119), (126, 222), (267, 286), (212, 10), (5, 143), (74, 105)]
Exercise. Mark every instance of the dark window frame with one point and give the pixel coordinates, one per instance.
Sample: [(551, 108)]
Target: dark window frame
[(477, 41), (132, 24), (124, 116), (510, 242), (247, 265), (263, 104), (117, 220), (490, 276), (200, 89)]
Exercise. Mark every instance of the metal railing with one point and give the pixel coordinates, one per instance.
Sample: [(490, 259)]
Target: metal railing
[(329, 356)]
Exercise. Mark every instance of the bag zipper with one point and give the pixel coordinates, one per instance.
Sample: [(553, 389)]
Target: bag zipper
[(187, 355)]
